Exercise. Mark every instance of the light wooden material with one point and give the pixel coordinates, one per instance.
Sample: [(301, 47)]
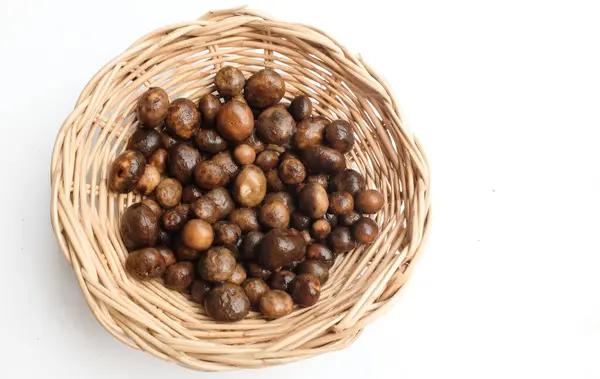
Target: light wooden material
[(183, 59)]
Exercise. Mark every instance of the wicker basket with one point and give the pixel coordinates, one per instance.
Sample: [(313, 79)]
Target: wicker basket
[(183, 59)]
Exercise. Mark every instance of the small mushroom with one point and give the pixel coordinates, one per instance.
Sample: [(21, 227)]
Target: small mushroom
[(205, 209), (223, 201), (183, 118), (225, 160), (146, 141), (250, 186), (257, 271), (226, 233), (321, 253), (163, 237), (284, 198), (368, 201), (350, 218), (275, 126), (245, 218), (340, 203), (301, 107), (318, 269), (320, 179), (349, 180), (197, 234), (276, 304), (292, 171), (281, 280), (179, 276), (183, 159), (229, 81), (168, 140), (339, 136), (254, 142), (227, 302), (281, 247), (264, 89), (313, 200), (168, 193), (217, 264), (209, 106), (209, 141), (209, 175), (145, 264), (267, 160), (239, 275), (149, 181), (235, 121), (340, 240), (274, 214), (126, 171), (323, 160), (311, 132), (159, 159), (255, 288), (152, 107), (320, 229), (190, 194), (305, 290), (365, 230), (300, 221), (175, 218), (139, 227), (244, 154), (167, 255)]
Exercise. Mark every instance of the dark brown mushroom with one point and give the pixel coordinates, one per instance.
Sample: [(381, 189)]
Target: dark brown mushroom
[(255, 270), (321, 253), (349, 218), (183, 118), (217, 264), (184, 253), (320, 229), (168, 140), (250, 245), (311, 132), (229, 81), (339, 135), (254, 142), (227, 302), (264, 89), (267, 160), (146, 141), (167, 255), (139, 227), (318, 269), (145, 264), (209, 141), (190, 194), (152, 107), (340, 240), (274, 183), (126, 171), (175, 218), (301, 107), (245, 218), (305, 290), (281, 280), (365, 230), (226, 233), (183, 160), (223, 201), (205, 209), (349, 180), (209, 175), (276, 304), (163, 238), (320, 179), (284, 198), (313, 200), (275, 126), (179, 276), (156, 208), (341, 203), (200, 288), (323, 160), (209, 106), (274, 214), (292, 171), (300, 221), (281, 247)]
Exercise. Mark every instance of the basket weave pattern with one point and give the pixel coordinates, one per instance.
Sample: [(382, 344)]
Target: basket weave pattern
[(183, 59)]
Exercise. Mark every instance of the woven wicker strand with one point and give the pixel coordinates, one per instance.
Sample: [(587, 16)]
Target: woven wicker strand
[(183, 59)]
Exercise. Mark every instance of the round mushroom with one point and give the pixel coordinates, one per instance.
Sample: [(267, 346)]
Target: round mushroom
[(217, 264), (167, 255), (365, 230), (197, 234), (139, 227), (313, 200), (250, 186), (245, 218), (168, 193), (226, 233), (281, 247), (349, 180), (227, 302), (244, 154), (235, 121), (301, 107), (340, 203), (292, 171), (183, 160), (255, 288), (126, 171), (209, 141), (149, 181), (229, 81), (305, 290), (152, 107), (339, 136), (284, 198), (275, 126), (205, 209), (209, 106), (223, 201), (267, 160), (190, 194), (350, 218), (323, 160), (183, 118), (175, 218), (320, 229), (318, 269), (145, 264), (274, 214), (276, 304), (179, 276), (209, 175), (311, 132), (238, 276), (146, 141), (281, 280), (159, 160), (321, 253), (368, 201), (340, 240), (300, 221), (264, 89)]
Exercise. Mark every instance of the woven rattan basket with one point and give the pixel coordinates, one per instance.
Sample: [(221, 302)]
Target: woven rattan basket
[(183, 59)]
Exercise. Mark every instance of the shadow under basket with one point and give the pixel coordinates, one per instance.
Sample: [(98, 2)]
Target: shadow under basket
[(183, 59)]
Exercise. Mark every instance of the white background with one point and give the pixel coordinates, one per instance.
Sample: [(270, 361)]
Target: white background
[(504, 95)]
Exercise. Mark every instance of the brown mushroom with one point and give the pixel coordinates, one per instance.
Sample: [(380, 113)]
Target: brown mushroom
[(225, 160), (267, 160), (205, 209), (300, 221), (301, 107), (190, 194), (250, 245), (179, 276), (313, 200), (340, 240), (149, 181), (235, 121), (274, 183), (368, 201), (159, 160), (292, 171), (254, 142), (146, 141), (349, 180), (183, 118), (217, 264), (320, 179), (318, 269), (349, 218), (175, 218), (168, 193), (305, 290), (255, 288), (209, 141), (274, 214), (139, 227), (244, 154), (321, 253), (365, 230), (264, 89), (320, 229), (311, 132), (183, 160), (284, 198), (197, 234), (227, 302), (184, 253), (200, 288), (168, 140), (275, 126), (245, 218), (156, 208), (163, 237), (152, 107), (276, 304), (167, 255), (126, 171), (145, 264), (250, 186), (223, 201), (281, 280), (209, 106), (341, 203), (281, 247), (229, 81), (323, 160), (226, 233), (209, 175), (339, 136), (238, 276)]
